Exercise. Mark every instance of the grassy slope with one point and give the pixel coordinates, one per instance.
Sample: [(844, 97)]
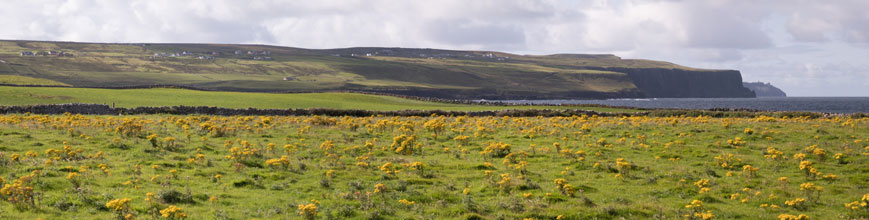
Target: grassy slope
[(23, 80), (174, 97), (121, 64), (655, 188)]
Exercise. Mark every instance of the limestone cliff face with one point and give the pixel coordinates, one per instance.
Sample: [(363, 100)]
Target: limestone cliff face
[(650, 83), (764, 89), (678, 83)]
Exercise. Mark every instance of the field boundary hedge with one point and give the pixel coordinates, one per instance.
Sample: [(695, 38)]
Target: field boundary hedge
[(99, 109), (419, 98)]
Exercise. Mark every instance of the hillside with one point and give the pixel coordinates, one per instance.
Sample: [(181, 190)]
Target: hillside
[(417, 72), (764, 89)]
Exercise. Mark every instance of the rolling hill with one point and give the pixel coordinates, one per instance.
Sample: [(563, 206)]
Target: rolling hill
[(416, 72), (158, 97)]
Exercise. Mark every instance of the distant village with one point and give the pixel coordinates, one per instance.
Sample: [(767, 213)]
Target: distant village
[(419, 53), (255, 55), (45, 53), (352, 52)]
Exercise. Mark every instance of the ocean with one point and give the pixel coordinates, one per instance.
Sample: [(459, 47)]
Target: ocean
[(808, 104)]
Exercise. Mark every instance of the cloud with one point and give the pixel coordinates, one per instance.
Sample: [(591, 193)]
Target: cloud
[(809, 29), (818, 21), (714, 28), (465, 32)]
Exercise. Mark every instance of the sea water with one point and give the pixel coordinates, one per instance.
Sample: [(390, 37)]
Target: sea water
[(809, 104)]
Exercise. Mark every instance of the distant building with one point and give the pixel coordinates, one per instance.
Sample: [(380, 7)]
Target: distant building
[(238, 52), (27, 54)]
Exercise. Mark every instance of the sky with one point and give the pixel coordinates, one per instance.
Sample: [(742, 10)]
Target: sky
[(806, 48)]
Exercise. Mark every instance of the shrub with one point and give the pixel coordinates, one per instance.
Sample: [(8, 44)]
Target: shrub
[(173, 196)]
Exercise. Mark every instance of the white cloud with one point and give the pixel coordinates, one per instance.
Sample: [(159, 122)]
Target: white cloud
[(768, 40)]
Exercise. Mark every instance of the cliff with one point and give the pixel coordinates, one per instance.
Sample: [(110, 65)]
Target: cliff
[(683, 83), (764, 89)]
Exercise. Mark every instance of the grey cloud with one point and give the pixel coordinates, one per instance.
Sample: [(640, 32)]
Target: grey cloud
[(465, 32), (808, 29), (857, 30), (714, 28), (819, 21)]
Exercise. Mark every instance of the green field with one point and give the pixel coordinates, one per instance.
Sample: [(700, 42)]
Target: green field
[(312, 167), (23, 80), (177, 97)]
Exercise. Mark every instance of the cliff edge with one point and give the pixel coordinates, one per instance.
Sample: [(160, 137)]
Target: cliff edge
[(762, 89)]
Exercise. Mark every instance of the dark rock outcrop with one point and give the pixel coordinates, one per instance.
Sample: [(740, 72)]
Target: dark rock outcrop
[(762, 89), (650, 83), (678, 83), (495, 94)]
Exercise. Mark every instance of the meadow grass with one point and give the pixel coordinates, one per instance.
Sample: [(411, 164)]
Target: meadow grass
[(176, 97), (468, 167)]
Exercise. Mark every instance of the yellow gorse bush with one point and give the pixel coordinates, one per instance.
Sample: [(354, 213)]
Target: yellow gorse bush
[(173, 212), (406, 202), (859, 204), (387, 168), (19, 192), (793, 217), (496, 149), (121, 207), (308, 211), (283, 162), (694, 204), (774, 154), (749, 171), (380, 188)]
